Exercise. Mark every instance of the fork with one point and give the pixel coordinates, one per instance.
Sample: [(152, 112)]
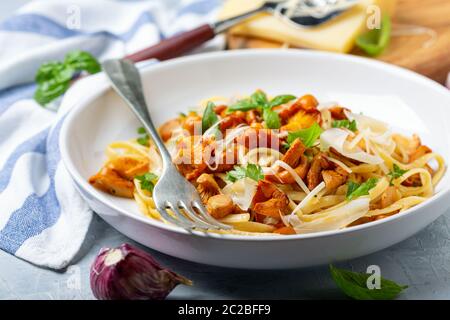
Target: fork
[(172, 191), (303, 14)]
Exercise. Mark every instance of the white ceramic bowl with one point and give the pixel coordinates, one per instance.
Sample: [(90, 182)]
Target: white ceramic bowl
[(408, 101)]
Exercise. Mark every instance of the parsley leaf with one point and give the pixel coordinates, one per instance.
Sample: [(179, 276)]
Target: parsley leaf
[(237, 173), (141, 130), (354, 285), (147, 181), (307, 136), (209, 117), (252, 171), (356, 190), (351, 125), (281, 99), (144, 138), (53, 78), (395, 173)]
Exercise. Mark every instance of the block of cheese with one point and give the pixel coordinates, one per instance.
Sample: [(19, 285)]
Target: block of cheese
[(337, 35)]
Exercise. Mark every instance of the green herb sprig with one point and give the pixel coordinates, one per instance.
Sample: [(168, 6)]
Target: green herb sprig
[(351, 125), (144, 138), (209, 117), (308, 136), (53, 78), (147, 181), (258, 100), (252, 171), (356, 190), (395, 173)]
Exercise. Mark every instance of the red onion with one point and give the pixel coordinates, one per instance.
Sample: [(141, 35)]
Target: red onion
[(129, 273)]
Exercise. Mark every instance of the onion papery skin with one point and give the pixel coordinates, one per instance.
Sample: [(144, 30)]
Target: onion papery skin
[(136, 275)]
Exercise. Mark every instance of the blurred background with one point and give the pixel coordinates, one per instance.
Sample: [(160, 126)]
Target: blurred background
[(419, 39)]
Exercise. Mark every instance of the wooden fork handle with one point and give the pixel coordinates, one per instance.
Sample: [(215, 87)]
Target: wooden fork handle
[(175, 46)]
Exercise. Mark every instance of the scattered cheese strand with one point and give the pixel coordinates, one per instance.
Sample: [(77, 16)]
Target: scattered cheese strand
[(312, 194), (294, 174)]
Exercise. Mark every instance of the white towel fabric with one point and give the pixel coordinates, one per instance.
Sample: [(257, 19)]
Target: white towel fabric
[(42, 217)]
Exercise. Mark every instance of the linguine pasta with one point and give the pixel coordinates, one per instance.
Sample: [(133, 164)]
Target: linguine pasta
[(281, 165)]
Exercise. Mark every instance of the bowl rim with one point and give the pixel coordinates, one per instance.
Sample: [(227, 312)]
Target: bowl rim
[(99, 196)]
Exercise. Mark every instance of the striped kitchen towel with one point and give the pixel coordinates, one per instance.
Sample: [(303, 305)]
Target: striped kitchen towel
[(42, 218)]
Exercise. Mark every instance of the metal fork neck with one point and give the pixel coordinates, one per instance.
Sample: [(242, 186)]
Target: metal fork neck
[(126, 80), (224, 25)]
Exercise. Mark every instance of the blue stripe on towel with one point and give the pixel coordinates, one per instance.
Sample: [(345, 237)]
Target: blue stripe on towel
[(36, 23), (30, 220), (34, 144), (37, 213)]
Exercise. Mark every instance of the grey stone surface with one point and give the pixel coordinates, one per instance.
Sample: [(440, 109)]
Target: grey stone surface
[(422, 262)]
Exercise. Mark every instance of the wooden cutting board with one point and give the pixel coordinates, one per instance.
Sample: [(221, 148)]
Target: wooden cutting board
[(419, 52)]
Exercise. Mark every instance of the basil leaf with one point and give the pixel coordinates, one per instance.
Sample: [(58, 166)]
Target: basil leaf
[(354, 285), (53, 71), (147, 181), (209, 117), (272, 119), (351, 125), (395, 173), (252, 171), (375, 41), (49, 91), (53, 78), (307, 136), (259, 99), (279, 100), (356, 190), (82, 61), (242, 105)]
